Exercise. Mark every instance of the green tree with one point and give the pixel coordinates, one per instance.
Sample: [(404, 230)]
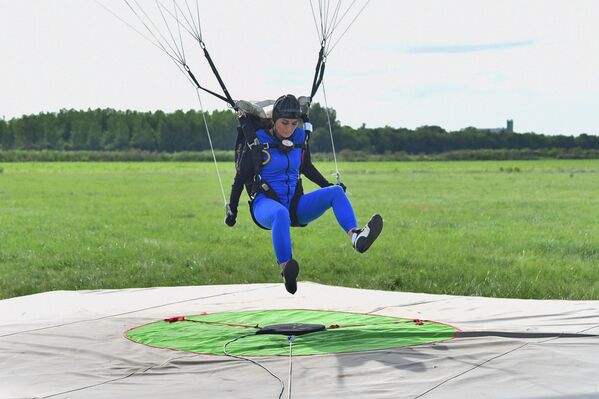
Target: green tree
[(320, 141), (53, 133), (108, 129), (142, 133), (347, 138), (116, 136), (4, 139), (94, 136), (318, 117), (28, 132), (174, 134), (79, 133), (586, 141), (223, 129), (63, 124)]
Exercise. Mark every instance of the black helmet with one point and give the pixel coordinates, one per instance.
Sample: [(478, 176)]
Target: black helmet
[(286, 106)]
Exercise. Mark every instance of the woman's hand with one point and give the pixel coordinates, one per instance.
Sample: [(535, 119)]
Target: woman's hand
[(230, 216)]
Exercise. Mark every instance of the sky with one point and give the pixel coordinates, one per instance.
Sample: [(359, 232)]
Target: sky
[(402, 63)]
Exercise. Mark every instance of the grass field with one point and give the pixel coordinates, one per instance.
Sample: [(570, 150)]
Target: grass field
[(525, 229)]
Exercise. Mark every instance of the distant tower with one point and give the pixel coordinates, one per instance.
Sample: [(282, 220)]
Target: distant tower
[(510, 126)]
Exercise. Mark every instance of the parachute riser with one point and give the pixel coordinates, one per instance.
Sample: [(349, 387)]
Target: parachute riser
[(228, 98), (319, 70), (197, 84)]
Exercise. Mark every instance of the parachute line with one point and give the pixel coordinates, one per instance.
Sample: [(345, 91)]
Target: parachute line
[(331, 18), (198, 15), (190, 28), (137, 31), (326, 104), (179, 29), (253, 361), (157, 42), (330, 23), (291, 339), (315, 22), (220, 182), (336, 23), (172, 45), (179, 52), (193, 24), (175, 53), (335, 15), (169, 38), (322, 20), (348, 26)]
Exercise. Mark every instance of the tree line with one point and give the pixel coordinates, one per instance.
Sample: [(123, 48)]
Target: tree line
[(179, 131)]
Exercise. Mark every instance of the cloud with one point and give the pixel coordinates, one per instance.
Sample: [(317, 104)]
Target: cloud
[(466, 48)]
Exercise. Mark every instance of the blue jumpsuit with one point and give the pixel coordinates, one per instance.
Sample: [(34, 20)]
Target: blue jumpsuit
[(281, 171)]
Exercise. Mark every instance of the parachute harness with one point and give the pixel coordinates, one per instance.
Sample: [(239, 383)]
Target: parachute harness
[(327, 20)]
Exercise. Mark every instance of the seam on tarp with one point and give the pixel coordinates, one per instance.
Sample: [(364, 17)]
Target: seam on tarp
[(482, 364), (133, 311), (418, 303), (115, 379), (496, 357), (589, 328)]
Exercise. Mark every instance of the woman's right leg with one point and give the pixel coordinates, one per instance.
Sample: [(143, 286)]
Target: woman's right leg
[(272, 215)]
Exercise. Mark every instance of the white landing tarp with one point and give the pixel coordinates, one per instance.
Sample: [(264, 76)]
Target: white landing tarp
[(67, 344)]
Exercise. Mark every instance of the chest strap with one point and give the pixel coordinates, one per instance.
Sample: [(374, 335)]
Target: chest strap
[(280, 146)]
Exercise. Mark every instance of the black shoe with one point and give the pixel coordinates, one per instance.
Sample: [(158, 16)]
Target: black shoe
[(289, 273), (369, 233)]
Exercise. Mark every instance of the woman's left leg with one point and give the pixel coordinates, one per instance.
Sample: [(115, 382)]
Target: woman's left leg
[(313, 205)]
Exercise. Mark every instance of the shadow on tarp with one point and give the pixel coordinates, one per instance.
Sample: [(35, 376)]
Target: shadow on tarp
[(520, 335), (413, 359)]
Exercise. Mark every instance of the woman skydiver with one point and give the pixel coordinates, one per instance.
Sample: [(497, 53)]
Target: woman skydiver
[(271, 176)]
